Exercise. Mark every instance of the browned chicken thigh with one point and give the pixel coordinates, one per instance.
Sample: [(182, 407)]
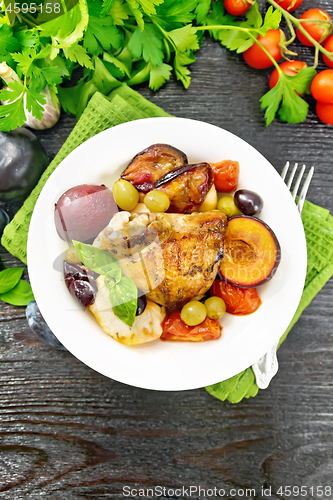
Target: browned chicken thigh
[(172, 258)]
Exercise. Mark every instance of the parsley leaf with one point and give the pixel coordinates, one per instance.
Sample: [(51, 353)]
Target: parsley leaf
[(159, 75), (182, 59), (79, 54), (101, 35), (119, 12), (12, 112), (16, 98), (31, 66), (8, 42), (293, 108), (137, 13), (185, 38), (271, 102), (148, 6), (201, 10), (173, 14), (147, 43), (107, 4), (254, 25), (272, 20)]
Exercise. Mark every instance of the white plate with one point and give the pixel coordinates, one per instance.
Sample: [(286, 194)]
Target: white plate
[(167, 365)]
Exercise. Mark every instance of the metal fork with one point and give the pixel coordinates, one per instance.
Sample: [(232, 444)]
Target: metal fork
[(267, 366), (306, 184)]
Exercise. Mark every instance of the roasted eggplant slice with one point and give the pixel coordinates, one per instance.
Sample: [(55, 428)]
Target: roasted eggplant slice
[(152, 163), (186, 187)]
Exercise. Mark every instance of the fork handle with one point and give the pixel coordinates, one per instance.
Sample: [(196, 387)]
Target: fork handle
[(266, 367)]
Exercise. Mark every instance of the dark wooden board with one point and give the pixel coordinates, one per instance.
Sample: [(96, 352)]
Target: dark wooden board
[(67, 432)]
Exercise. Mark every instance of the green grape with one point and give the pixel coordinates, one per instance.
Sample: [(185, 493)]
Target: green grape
[(72, 256), (125, 195), (193, 313), (226, 204), (215, 307), (156, 201)]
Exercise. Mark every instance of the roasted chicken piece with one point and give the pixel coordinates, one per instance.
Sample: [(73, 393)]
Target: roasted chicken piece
[(151, 163), (172, 258)]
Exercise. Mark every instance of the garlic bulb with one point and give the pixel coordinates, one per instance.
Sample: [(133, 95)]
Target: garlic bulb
[(51, 114), (51, 110)]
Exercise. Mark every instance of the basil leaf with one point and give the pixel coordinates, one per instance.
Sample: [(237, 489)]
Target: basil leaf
[(112, 278), (20, 295), (97, 260), (124, 299), (9, 278)]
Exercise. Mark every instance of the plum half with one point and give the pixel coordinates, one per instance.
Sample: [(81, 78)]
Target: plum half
[(186, 187), (149, 165), (252, 252), (83, 211)]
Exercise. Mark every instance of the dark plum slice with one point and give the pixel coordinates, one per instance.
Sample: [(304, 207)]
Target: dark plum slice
[(39, 326), (186, 187), (80, 283), (152, 163)]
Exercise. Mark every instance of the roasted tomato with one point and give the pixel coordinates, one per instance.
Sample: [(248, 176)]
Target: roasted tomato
[(174, 328), (226, 174), (239, 301), (151, 164), (186, 187)]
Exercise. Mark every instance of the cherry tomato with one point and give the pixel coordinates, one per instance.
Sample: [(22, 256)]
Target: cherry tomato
[(319, 31), (329, 46), (239, 301), (325, 112), (237, 7), (290, 68), (257, 58), (322, 86), (289, 5), (174, 328), (226, 174)]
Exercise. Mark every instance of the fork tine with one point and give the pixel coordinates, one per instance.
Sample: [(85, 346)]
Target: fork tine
[(291, 177), (298, 181), (285, 170), (304, 190)]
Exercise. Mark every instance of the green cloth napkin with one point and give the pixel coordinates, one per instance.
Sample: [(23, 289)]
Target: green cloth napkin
[(123, 105), (318, 227)]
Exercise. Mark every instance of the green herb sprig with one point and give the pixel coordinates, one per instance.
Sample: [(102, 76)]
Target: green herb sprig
[(123, 292), (133, 41), (13, 289)]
